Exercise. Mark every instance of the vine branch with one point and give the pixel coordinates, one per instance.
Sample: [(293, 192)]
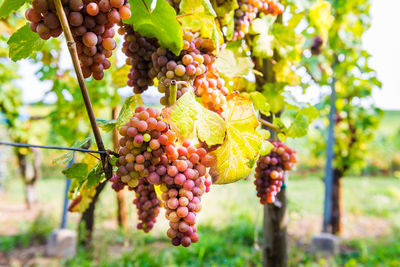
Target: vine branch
[(269, 125), (75, 60)]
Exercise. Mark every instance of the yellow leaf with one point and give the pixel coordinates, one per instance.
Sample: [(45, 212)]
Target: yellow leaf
[(320, 15), (235, 158)]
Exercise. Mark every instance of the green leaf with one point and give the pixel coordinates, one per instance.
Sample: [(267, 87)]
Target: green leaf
[(273, 94), (266, 148), (64, 158), (106, 125), (9, 6), (201, 17), (127, 110), (78, 171), (260, 103), (94, 177), (262, 43), (226, 11), (160, 24), (299, 127), (23, 42), (264, 133), (232, 65), (236, 156)]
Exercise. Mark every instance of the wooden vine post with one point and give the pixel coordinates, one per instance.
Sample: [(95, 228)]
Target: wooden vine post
[(331, 219), (88, 216), (276, 214)]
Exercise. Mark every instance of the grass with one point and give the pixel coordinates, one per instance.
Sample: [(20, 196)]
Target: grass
[(229, 226)]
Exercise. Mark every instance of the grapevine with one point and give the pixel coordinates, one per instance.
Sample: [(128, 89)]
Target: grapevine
[(270, 171)]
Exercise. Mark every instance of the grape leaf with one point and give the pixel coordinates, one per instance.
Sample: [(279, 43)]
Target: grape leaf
[(106, 125), (260, 103), (94, 177), (82, 198), (187, 115), (78, 171), (200, 17), (23, 42), (9, 6), (285, 74), (70, 154), (273, 94), (119, 76), (231, 65), (235, 158), (127, 110), (161, 23), (299, 127), (226, 11), (182, 115), (266, 148), (262, 43), (210, 126), (153, 5), (320, 16)]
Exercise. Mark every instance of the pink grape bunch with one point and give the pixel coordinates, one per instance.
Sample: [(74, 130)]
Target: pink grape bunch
[(142, 147), (147, 205), (139, 52), (91, 24), (270, 171), (185, 181), (248, 10)]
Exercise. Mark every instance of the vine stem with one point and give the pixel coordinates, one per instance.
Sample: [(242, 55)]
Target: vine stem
[(183, 15), (172, 90), (75, 60), (269, 125)]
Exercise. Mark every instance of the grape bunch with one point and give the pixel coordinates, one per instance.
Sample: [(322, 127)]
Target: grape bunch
[(184, 183), (248, 11), (211, 88), (147, 205), (316, 47), (195, 65), (270, 171), (139, 52), (143, 142), (91, 23), (191, 62)]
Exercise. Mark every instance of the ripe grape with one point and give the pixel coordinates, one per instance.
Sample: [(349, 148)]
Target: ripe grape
[(139, 50), (183, 187), (91, 23), (270, 171), (147, 204), (317, 45), (248, 10)]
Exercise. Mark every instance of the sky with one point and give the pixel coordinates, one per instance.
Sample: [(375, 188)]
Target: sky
[(382, 41)]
